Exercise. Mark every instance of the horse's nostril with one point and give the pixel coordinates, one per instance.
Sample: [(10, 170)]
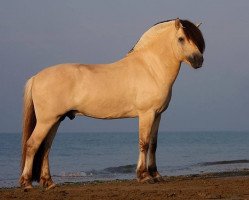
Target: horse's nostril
[(202, 59), (199, 59)]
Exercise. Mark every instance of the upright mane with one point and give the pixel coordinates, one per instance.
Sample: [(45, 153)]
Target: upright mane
[(146, 37), (191, 31)]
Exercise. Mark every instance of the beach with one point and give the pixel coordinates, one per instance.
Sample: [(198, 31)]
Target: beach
[(223, 185), (89, 166)]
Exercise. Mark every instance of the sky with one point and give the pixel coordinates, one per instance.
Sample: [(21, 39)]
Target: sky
[(37, 34)]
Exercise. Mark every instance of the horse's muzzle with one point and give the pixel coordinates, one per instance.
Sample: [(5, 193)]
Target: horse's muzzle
[(196, 60)]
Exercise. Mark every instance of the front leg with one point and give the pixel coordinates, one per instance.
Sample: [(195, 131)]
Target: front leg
[(145, 126), (152, 168)]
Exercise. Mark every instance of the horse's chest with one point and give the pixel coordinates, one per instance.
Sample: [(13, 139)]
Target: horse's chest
[(157, 100), (163, 102)]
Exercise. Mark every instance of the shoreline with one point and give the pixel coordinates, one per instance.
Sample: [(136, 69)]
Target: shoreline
[(218, 185)]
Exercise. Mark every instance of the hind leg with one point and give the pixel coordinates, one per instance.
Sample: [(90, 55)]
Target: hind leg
[(45, 178), (39, 134)]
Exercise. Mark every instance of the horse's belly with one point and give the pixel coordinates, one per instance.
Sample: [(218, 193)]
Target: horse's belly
[(107, 110)]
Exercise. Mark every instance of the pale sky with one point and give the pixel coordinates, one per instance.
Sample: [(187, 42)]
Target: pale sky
[(37, 34)]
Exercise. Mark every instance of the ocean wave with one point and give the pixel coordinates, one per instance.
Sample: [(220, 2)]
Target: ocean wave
[(125, 169), (223, 162)]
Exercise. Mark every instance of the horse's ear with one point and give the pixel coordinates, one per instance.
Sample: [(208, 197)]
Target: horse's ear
[(177, 23), (198, 25)]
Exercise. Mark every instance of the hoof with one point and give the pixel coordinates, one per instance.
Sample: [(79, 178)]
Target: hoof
[(158, 179), (156, 176), (47, 183), (52, 186), (148, 179), (145, 178), (27, 188), (25, 183)]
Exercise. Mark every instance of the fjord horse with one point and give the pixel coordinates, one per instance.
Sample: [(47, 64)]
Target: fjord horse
[(138, 85)]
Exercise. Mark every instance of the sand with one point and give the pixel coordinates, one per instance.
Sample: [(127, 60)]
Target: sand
[(226, 185)]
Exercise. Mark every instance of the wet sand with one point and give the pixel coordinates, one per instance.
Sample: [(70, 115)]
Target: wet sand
[(225, 185)]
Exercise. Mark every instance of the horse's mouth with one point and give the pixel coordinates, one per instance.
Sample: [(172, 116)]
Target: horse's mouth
[(196, 60), (196, 66)]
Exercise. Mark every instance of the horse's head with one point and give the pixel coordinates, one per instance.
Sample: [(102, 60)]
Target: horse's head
[(188, 44)]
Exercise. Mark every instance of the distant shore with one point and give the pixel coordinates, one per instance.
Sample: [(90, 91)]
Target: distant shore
[(223, 185)]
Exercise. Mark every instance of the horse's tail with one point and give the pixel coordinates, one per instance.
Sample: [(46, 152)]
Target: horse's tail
[(29, 118)]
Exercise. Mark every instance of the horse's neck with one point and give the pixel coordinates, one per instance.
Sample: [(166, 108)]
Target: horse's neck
[(159, 57), (163, 66), (171, 73)]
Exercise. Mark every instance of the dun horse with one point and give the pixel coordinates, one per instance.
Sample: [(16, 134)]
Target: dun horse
[(138, 85)]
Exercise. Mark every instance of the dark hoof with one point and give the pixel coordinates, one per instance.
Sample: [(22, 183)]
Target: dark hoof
[(52, 186), (47, 183), (146, 179), (158, 179), (156, 176), (149, 180), (27, 188)]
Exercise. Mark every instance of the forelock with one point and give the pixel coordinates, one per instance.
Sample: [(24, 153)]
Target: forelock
[(193, 33)]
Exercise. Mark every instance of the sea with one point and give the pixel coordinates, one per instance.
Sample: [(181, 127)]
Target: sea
[(84, 157)]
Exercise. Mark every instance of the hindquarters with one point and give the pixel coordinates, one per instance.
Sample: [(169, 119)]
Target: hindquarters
[(36, 139)]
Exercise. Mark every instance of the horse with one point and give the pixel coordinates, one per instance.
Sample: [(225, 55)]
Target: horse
[(137, 86)]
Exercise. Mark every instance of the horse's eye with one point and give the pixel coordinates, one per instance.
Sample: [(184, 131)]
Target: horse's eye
[(181, 39)]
